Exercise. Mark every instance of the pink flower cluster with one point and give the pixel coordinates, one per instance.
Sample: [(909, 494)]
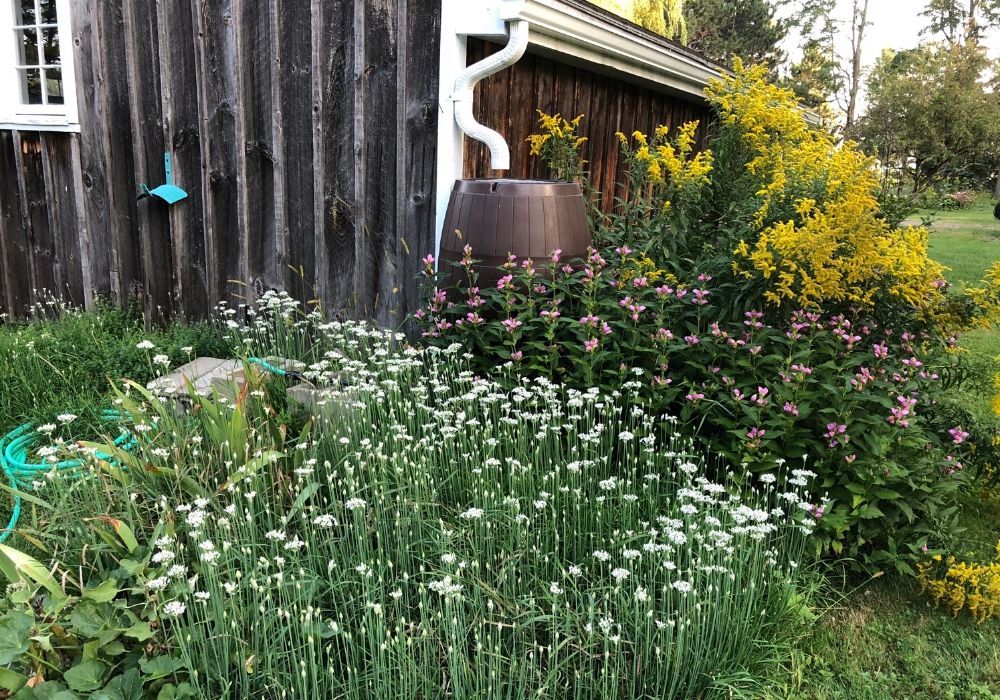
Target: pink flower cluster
[(900, 414)]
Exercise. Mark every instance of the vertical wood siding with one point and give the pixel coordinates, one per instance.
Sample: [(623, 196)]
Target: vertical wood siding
[(507, 102), (304, 132)]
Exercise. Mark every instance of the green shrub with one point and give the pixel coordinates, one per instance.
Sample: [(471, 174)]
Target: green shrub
[(848, 395)]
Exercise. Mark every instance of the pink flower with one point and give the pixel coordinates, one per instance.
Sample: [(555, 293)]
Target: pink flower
[(704, 278), (428, 260), (958, 435), (791, 408), (516, 356), (474, 318), (623, 250), (511, 324), (663, 334), (555, 255), (691, 339), (754, 436), (567, 269), (700, 297), (590, 345), (505, 282), (640, 283), (605, 328), (694, 396), (850, 458), (590, 321), (664, 290), (881, 350)]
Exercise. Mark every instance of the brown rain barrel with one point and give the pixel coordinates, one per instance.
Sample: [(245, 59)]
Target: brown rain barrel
[(529, 218)]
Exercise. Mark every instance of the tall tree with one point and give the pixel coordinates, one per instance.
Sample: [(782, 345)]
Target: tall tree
[(750, 29), (859, 22), (960, 21), (816, 78), (931, 116)]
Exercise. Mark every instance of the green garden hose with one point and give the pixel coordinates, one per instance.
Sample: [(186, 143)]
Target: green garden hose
[(14, 448), (278, 371)]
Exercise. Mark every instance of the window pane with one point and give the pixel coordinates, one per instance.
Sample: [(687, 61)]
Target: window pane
[(50, 46), (31, 85), (48, 11), (27, 14), (54, 86), (28, 55)]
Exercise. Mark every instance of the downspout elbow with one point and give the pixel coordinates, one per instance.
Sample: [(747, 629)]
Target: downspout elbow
[(465, 85)]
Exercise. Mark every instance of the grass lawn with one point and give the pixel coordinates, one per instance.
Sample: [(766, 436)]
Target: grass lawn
[(880, 639)]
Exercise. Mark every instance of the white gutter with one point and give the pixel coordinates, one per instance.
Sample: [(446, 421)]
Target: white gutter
[(465, 85), (590, 37)]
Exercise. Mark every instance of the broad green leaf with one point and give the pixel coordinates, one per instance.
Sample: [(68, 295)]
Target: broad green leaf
[(160, 666), (140, 632), (85, 676), (184, 691), (127, 686), (11, 681), (47, 690), (15, 635), (104, 592), (95, 620)]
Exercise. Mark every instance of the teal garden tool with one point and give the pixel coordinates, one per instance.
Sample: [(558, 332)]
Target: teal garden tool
[(169, 193)]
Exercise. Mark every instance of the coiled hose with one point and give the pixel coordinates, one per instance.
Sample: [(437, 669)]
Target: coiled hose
[(14, 448)]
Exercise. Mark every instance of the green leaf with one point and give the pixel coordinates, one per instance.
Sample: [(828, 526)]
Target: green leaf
[(11, 681), (15, 635), (18, 566), (124, 533), (94, 620), (85, 676), (160, 666), (127, 686), (140, 632), (47, 690), (184, 691), (27, 497), (104, 592)]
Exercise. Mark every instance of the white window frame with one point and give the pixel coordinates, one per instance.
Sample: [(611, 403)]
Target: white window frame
[(13, 113)]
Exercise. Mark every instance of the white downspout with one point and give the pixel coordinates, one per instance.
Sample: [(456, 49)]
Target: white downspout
[(465, 85), (461, 19)]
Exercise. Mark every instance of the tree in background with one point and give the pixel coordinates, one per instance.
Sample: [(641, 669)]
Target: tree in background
[(749, 29), (816, 79), (932, 117), (960, 21)]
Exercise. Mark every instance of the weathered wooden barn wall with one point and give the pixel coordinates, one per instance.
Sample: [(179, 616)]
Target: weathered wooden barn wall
[(303, 130), (507, 102)]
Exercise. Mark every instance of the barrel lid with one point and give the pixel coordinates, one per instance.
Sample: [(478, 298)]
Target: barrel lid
[(518, 188)]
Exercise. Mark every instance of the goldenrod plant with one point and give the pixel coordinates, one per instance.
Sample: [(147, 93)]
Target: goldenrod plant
[(960, 585), (810, 232)]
